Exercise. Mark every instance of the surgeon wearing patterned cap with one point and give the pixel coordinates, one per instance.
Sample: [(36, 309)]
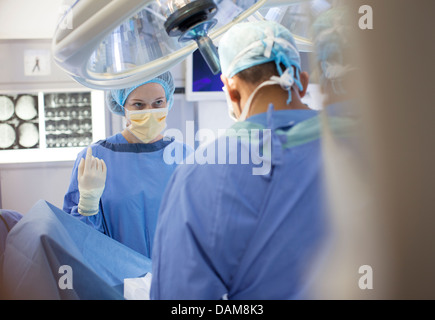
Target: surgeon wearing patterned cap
[(117, 184), (227, 233), (255, 57)]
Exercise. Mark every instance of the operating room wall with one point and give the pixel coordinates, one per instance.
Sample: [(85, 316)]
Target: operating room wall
[(23, 184)]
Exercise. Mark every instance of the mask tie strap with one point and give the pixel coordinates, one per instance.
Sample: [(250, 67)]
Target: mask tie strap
[(251, 97)]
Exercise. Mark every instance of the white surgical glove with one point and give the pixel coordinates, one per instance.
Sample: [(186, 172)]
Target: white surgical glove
[(92, 179)]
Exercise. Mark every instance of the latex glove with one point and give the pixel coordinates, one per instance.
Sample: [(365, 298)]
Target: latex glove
[(92, 179)]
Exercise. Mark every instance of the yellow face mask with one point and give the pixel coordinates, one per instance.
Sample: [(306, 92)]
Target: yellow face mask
[(147, 124)]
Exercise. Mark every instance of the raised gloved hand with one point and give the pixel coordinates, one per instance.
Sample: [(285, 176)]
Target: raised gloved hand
[(91, 179)]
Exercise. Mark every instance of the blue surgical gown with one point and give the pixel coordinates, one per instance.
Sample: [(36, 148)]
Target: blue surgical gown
[(137, 175), (8, 219), (49, 248), (224, 232)]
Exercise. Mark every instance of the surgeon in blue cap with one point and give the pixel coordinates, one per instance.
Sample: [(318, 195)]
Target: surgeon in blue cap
[(227, 233), (117, 183)]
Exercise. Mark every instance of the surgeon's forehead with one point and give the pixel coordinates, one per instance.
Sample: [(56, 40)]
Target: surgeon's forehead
[(148, 91)]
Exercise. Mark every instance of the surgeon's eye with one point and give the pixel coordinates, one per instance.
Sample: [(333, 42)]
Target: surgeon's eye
[(159, 103), (138, 105)]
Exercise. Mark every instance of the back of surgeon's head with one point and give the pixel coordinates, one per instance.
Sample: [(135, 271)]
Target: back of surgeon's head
[(256, 51)]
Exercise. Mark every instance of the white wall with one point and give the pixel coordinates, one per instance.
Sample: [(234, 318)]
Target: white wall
[(22, 185), (213, 116), (29, 19)]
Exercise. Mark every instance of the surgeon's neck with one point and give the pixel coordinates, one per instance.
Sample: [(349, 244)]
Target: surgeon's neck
[(278, 97)]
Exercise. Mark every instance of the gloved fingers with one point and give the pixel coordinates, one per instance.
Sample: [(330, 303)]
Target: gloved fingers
[(88, 160), (91, 170), (99, 165), (103, 166), (81, 168), (95, 163)]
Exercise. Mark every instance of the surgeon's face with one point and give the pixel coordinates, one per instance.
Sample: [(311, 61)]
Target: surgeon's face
[(148, 96)]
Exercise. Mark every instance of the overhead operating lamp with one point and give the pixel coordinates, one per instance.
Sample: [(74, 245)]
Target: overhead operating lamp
[(108, 44)]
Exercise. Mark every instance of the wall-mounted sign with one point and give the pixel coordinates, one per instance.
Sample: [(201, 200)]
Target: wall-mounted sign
[(37, 63)]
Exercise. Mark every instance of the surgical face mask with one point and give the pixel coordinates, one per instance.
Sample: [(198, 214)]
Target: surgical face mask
[(229, 104), (147, 124)]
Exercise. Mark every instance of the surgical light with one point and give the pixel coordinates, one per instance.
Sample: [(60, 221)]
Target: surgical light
[(111, 44)]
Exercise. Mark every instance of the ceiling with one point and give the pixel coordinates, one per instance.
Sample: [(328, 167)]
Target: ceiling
[(24, 19)]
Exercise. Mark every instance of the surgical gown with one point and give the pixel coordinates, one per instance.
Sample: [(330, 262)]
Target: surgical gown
[(50, 255), (225, 233), (137, 175), (8, 219)]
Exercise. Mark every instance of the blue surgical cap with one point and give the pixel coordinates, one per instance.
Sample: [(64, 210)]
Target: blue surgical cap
[(248, 44), (116, 98)]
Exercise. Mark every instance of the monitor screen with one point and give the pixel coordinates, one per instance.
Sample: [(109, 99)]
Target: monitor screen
[(201, 83)]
